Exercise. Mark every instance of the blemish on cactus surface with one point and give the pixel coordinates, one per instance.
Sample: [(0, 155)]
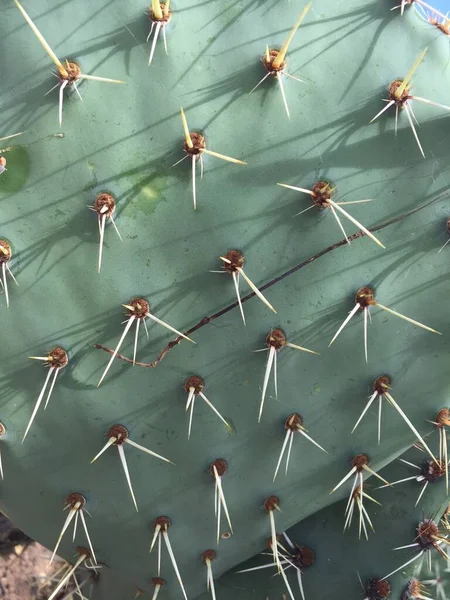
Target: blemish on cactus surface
[(160, 527)]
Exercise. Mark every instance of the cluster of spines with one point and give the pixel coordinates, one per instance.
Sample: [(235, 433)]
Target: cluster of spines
[(195, 145)]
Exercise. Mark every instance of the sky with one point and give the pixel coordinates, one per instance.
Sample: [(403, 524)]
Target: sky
[(442, 5)]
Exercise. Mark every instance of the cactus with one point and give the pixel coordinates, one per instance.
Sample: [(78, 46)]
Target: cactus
[(223, 412)]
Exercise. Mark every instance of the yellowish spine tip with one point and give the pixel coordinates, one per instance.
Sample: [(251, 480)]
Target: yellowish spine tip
[(279, 59), (400, 90), (166, 8), (267, 54), (187, 135), (156, 8), (40, 37)]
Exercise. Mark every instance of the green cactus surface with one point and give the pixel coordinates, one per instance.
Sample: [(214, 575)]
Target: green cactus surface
[(116, 152)]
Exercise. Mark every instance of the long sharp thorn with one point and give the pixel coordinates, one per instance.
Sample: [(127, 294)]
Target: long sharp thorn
[(11, 273), (296, 347), (67, 522), (214, 409), (442, 247), (5, 284), (259, 83), (194, 190), (404, 565), (366, 408), (283, 94), (218, 516), (189, 398), (273, 532), (40, 37), (75, 525), (123, 460), (67, 576), (279, 59), (289, 453), (297, 189), (167, 326), (275, 375), (224, 157), (286, 582), (355, 222), (419, 99), (365, 311), (397, 314), (283, 448), (144, 449), (236, 287), (408, 422), (350, 498), (384, 109), (270, 358), (402, 87), (122, 337), (180, 161), (159, 554), (349, 474), (1, 466), (350, 315), (300, 583), (341, 227), (52, 385), (115, 227), (191, 414), (174, 562), (38, 403), (445, 458), (102, 223), (187, 135), (155, 39), (356, 201), (424, 487), (61, 100), (211, 579), (103, 79), (165, 39), (311, 440), (222, 498), (255, 289), (155, 536), (408, 114), (397, 482), (8, 137), (136, 337), (150, 32), (110, 442), (375, 474), (380, 407), (83, 521)]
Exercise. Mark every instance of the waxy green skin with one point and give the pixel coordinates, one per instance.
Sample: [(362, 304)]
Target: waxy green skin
[(124, 139)]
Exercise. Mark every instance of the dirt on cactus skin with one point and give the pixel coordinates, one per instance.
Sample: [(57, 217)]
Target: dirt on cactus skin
[(23, 565)]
